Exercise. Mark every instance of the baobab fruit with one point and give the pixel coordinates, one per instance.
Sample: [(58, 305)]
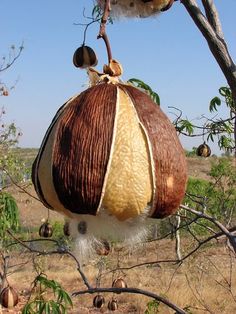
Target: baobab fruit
[(203, 150), (98, 301), (84, 57), (103, 248), (5, 93), (112, 305), (45, 230), (8, 297), (119, 283)]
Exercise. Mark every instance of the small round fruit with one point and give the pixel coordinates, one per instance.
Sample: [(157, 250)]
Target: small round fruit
[(84, 57), (203, 150), (45, 230), (66, 229), (98, 301), (9, 297), (113, 305), (119, 283), (103, 248), (5, 93)]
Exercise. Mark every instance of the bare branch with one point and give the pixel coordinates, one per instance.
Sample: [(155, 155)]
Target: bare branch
[(59, 250), (229, 235), (20, 187), (102, 32), (135, 291), (13, 60)]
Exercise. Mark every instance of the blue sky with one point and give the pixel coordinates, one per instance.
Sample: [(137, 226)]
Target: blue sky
[(167, 52)]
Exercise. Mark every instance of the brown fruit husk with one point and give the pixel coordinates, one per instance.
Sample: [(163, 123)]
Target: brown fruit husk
[(9, 297), (84, 57), (45, 230), (98, 301), (113, 305), (111, 148)]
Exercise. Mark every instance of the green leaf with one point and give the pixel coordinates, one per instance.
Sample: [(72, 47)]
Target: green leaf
[(145, 87), (185, 125), (214, 102), (58, 305), (152, 307)]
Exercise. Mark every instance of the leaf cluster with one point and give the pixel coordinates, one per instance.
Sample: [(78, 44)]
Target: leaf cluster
[(217, 196), (41, 304), (146, 88), (152, 307), (9, 214)]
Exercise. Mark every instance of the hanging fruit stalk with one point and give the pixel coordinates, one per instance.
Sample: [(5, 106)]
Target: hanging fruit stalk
[(102, 32)]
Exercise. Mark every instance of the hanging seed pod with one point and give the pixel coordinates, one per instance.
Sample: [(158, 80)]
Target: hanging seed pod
[(103, 248), (5, 93), (84, 57), (66, 228), (8, 297), (137, 8), (111, 150), (112, 305), (203, 150), (119, 283), (45, 230), (98, 301)]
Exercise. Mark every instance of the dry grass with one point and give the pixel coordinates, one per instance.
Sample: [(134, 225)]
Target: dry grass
[(206, 282)]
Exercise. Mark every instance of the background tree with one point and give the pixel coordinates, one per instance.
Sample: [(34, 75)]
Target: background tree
[(210, 26)]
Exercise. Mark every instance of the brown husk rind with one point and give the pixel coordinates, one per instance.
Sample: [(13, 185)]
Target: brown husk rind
[(168, 154)]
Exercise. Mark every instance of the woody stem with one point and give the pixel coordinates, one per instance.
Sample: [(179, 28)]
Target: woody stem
[(102, 32)]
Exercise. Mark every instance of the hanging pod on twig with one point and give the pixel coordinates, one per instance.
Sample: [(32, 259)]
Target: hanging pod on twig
[(113, 305), (84, 57), (98, 301), (111, 151), (203, 150), (45, 230), (9, 297)]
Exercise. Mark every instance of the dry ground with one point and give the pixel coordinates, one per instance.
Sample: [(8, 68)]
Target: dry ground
[(206, 282)]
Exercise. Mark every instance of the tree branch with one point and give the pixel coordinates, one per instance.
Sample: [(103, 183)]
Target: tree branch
[(135, 291), (213, 17), (229, 235), (217, 46), (102, 32)]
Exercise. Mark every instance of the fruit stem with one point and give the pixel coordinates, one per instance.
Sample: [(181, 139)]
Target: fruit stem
[(102, 32)]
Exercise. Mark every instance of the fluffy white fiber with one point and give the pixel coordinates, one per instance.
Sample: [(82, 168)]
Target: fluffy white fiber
[(89, 232)]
